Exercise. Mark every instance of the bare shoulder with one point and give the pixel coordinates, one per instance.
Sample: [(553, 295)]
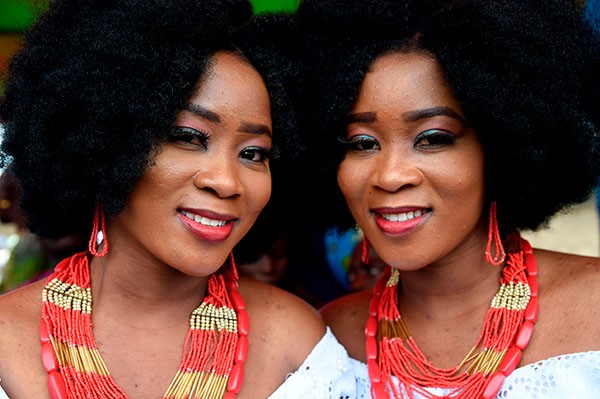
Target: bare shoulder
[(20, 311), (569, 305), (347, 317), (20, 358), (569, 275), (284, 321)]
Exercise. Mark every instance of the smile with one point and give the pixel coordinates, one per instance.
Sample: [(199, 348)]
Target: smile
[(400, 223), (209, 226), (401, 217), (204, 220)]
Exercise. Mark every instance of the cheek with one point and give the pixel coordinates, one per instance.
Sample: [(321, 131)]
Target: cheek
[(352, 181), (462, 190), (259, 193)]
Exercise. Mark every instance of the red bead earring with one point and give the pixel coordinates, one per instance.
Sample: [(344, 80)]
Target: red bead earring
[(98, 233), (365, 251), (494, 252)]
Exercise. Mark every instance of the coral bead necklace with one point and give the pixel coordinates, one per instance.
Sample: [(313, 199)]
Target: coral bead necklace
[(214, 353), (392, 351)]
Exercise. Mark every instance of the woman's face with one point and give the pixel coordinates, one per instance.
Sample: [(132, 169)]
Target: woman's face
[(413, 170), (210, 179)]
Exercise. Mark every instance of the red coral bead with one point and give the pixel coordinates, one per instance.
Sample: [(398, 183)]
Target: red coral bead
[(44, 337), (371, 327), (531, 263), (231, 285), (243, 323), (234, 384), (56, 386), (526, 247), (241, 352), (378, 391), (236, 300), (371, 347), (493, 386), (531, 311), (533, 285), (229, 395), (49, 359), (374, 306), (510, 361), (374, 373), (524, 335)]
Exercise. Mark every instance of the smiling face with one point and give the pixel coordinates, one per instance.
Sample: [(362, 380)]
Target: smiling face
[(413, 170), (209, 180)]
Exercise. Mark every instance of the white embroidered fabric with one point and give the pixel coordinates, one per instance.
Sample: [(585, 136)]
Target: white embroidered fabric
[(325, 374), (571, 376)]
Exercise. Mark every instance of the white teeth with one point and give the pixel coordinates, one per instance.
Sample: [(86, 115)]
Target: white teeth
[(203, 220), (401, 217)]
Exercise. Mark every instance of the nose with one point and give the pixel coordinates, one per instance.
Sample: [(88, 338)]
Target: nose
[(396, 171), (219, 176)]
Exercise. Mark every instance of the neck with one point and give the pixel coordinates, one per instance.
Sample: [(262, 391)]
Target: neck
[(459, 284), (147, 291)]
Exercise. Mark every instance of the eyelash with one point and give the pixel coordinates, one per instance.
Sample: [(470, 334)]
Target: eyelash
[(263, 153), (189, 135), (435, 138), (199, 138), (356, 143)]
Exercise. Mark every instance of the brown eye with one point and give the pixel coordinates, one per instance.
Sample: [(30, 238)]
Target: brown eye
[(361, 142), (434, 138), (255, 154), (189, 136)]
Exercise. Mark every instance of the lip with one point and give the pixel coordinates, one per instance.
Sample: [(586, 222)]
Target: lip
[(400, 221), (215, 233)]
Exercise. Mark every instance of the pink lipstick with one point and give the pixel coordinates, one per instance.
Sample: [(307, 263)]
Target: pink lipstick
[(207, 225)]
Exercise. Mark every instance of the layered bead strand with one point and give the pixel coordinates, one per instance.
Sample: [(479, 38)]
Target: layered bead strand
[(506, 332), (215, 351), (69, 352)]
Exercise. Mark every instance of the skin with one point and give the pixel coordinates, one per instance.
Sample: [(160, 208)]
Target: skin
[(446, 284), (156, 269)]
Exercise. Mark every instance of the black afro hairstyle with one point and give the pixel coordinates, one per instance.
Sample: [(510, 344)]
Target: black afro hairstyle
[(525, 73), (95, 91), (270, 42)]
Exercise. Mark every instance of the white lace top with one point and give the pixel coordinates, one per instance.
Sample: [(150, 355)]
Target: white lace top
[(325, 374), (572, 376)]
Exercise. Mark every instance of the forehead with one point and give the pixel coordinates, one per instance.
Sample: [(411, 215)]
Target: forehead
[(405, 81), (232, 84)]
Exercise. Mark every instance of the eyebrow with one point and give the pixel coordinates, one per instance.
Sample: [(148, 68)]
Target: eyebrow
[(362, 117), (255, 128), (245, 127), (203, 112), (413, 116)]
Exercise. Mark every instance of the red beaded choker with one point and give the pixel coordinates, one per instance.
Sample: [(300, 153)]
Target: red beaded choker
[(506, 333), (215, 350)]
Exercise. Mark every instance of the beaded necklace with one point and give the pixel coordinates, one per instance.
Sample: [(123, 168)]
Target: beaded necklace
[(214, 353), (506, 333)]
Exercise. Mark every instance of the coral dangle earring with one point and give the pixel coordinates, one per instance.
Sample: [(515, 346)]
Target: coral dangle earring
[(98, 236), (364, 257), (494, 251)]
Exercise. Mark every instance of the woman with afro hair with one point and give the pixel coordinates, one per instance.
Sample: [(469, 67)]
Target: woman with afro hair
[(450, 126), (150, 125)]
